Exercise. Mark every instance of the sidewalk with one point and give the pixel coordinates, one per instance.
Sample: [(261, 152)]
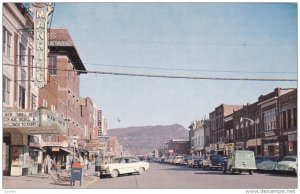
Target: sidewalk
[(42, 181)]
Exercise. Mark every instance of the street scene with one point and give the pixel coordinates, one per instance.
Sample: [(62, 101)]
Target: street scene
[(150, 96)]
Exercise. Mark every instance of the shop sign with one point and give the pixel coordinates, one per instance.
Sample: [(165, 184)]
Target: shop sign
[(269, 133), (53, 119), (99, 123), (103, 138), (55, 149), (59, 43), (20, 119), (240, 144), (229, 146), (40, 12), (55, 144)]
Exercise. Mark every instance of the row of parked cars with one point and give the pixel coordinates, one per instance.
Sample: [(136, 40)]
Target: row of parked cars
[(210, 162), (243, 158)]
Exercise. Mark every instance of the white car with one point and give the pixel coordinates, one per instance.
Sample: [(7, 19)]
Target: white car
[(178, 160), (288, 163), (124, 165)]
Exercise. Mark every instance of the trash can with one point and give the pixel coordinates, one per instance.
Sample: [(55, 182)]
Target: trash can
[(76, 173)]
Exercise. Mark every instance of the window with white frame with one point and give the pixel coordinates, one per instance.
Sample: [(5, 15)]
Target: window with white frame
[(6, 89), (6, 45), (270, 119), (33, 102), (53, 109), (45, 103), (22, 55), (21, 97), (52, 64)]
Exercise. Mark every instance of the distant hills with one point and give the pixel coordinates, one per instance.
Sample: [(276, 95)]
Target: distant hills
[(141, 140)]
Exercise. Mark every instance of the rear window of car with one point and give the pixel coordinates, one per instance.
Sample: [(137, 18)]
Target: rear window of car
[(244, 155), (289, 159)]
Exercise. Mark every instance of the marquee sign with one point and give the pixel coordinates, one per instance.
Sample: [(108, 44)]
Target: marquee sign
[(20, 119), (40, 13)]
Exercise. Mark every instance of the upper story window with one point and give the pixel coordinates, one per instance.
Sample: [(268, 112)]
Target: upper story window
[(21, 97), (52, 64), (6, 45), (270, 119), (6, 89), (33, 101), (22, 55)]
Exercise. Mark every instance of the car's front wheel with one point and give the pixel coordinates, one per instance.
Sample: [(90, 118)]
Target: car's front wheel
[(141, 170), (114, 174)]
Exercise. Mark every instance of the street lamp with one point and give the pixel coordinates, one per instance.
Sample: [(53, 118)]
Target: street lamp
[(252, 122)]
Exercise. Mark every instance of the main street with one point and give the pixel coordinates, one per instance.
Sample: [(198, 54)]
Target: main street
[(165, 176)]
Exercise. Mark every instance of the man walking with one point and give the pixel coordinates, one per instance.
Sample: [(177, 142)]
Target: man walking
[(97, 165)]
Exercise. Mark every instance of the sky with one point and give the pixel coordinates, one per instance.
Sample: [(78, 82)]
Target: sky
[(228, 40)]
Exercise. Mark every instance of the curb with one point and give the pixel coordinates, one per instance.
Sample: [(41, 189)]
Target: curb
[(88, 183)]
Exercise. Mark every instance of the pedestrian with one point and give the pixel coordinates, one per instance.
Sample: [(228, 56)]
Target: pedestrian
[(86, 163), (97, 165), (49, 164), (45, 169)]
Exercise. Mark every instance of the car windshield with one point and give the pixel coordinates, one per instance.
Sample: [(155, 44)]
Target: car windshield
[(121, 160), (179, 157), (217, 157), (197, 158), (289, 159)]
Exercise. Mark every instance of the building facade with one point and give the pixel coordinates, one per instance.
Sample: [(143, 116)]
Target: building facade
[(178, 147), (217, 127), (198, 138)]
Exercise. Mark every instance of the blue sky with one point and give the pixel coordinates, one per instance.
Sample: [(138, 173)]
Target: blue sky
[(244, 40)]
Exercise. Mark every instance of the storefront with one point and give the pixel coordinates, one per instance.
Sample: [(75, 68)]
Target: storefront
[(21, 139), (254, 145)]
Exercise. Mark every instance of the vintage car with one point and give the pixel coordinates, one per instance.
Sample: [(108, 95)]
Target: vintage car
[(178, 160), (267, 163), (124, 165), (212, 162), (195, 161), (288, 164), (240, 160)]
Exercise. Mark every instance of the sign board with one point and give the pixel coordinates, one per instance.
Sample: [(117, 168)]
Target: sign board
[(20, 119), (55, 144), (40, 12), (104, 138), (99, 123)]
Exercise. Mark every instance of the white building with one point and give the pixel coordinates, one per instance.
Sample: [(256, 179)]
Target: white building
[(197, 138)]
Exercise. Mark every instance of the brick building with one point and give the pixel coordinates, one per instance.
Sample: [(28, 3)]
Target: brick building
[(217, 128), (178, 146)]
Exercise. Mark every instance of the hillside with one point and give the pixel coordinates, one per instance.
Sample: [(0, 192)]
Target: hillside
[(140, 140)]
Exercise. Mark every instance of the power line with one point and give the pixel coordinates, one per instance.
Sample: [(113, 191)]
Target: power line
[(195, 70), (184, 69), (166, 76)]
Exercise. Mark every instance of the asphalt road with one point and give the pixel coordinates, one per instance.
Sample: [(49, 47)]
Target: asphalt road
[(165, 176)]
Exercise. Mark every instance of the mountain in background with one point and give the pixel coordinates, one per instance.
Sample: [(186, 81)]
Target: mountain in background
[(142, 140)]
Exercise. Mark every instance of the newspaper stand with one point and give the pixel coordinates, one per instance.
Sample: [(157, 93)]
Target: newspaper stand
[(76, 173)]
